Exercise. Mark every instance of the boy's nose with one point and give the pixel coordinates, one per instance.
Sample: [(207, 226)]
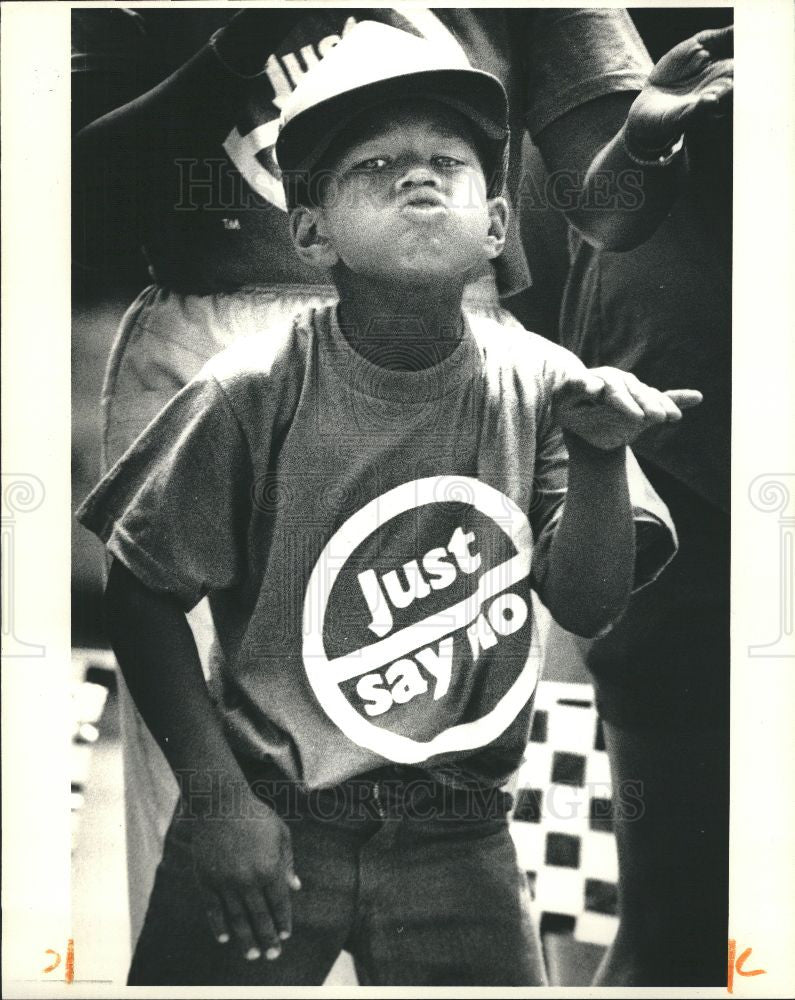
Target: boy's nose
[(418, 175)]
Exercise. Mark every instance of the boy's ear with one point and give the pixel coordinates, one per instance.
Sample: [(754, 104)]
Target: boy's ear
[(498, 225), (309, 238)]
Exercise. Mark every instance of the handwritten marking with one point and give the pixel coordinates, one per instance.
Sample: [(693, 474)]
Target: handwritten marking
[(735, 965), (69, 972), (69, 965), (55, 964)]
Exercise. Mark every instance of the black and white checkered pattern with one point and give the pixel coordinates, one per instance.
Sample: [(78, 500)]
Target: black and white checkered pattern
[(562, 821)]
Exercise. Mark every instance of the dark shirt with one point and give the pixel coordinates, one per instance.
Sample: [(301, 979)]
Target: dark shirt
[(663, 311)]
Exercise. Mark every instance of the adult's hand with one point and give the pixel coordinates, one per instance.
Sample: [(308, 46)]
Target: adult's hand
[(252, 35), (606, 138), (693, 81)]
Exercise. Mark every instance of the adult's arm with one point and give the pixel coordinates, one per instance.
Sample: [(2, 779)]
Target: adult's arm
[(600, 149), (117, 158), (202, 93)]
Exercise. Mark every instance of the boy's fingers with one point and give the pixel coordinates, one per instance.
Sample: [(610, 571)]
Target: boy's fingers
[(289, 864), (238, 920), (685, 399), (589, 385), (262, 922), (672, 411), (583, 386), (280, 905), (215, 915), (648, 399), (620, 398), (580, 387)]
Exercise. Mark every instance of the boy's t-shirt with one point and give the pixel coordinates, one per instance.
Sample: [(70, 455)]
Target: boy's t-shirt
[(368, 539)]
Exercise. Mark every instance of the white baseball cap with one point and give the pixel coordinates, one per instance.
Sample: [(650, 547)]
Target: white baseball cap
[(376, 64)]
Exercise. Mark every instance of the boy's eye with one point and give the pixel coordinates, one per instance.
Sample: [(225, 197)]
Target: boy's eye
[(447, 162), (372, 163)]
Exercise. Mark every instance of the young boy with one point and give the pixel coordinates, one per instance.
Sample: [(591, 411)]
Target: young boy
[(368, 498)]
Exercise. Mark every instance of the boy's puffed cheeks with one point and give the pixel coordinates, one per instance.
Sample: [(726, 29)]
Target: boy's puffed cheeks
[(401, 198)]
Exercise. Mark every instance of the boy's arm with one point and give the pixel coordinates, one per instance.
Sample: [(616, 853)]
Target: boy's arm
[(245, 861), (591, 561)]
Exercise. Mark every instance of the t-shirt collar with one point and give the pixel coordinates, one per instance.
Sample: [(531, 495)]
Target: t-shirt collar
[(372, 380)]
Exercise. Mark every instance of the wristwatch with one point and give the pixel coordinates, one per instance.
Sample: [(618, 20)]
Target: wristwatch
[(661, 159)]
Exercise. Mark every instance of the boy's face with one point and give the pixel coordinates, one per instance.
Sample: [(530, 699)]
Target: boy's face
[(404, 197)]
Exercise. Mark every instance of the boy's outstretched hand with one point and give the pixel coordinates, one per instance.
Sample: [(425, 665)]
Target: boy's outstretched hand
[(246, 865), (610, 408)]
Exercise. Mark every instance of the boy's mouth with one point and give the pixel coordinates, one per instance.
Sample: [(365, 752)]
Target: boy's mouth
[(424, 203)]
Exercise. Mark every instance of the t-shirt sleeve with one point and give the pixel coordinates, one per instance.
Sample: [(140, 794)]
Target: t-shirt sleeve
[(550, 479), (175, 508), (575, 55), (655, 535)]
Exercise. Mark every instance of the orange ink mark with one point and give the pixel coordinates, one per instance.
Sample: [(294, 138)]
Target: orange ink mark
[(55, 964), (69, 966), (735, 965), (69, 972)]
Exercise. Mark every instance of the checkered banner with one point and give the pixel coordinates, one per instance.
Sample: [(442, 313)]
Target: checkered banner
[(562, 823)]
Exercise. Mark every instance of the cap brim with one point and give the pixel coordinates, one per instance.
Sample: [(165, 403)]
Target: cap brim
[(475, 94)]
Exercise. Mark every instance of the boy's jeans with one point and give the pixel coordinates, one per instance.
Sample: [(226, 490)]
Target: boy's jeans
[(419, 883)]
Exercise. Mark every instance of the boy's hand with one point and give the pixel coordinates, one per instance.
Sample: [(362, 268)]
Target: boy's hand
[(692, 81), (247, 866), (609, 408)]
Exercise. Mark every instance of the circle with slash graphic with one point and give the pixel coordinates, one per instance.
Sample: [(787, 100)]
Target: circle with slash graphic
[(326, 674)]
